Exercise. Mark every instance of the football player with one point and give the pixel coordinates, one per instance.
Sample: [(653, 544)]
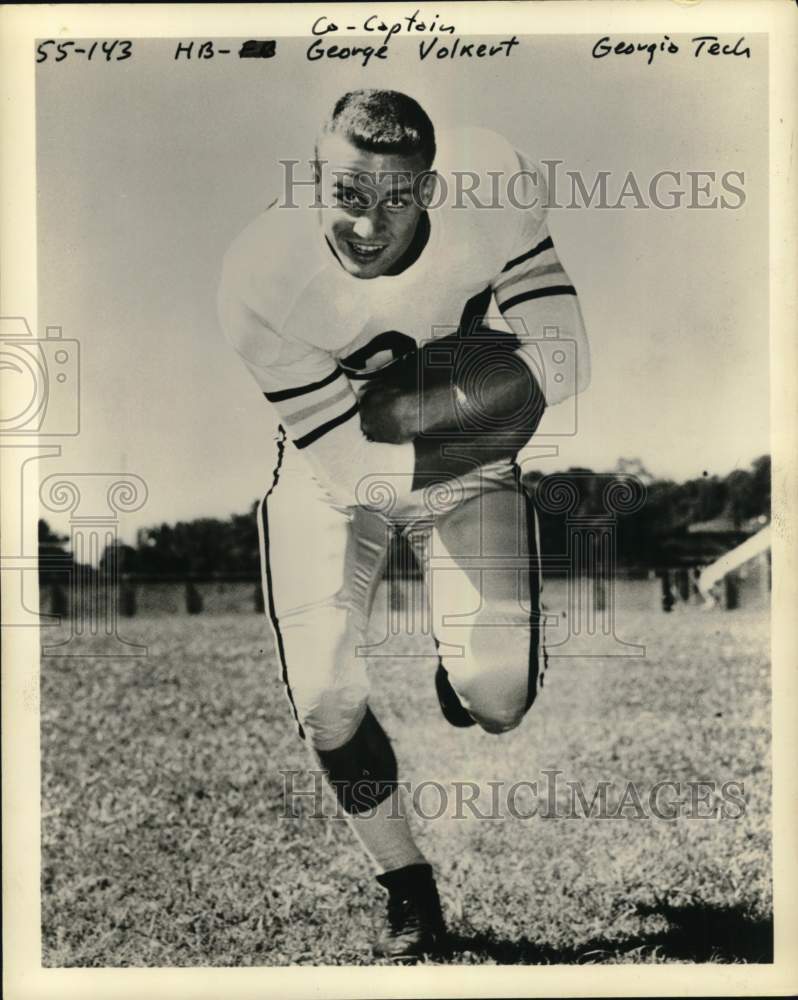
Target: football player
[(362, 317)]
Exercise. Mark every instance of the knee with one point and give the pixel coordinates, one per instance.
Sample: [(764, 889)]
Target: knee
[(498, 701), (498, 722), (498, 681), (331, 714), (328, 689)]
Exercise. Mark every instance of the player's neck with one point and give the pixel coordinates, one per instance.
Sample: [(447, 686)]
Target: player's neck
[(417, 244)]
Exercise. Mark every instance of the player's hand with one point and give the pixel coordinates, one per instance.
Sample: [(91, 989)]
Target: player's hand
[(389, 412)]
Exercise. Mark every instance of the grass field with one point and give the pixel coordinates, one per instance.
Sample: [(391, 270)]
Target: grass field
[(163, 842)]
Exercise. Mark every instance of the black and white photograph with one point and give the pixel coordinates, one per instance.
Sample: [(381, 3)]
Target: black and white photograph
[(398, 443)]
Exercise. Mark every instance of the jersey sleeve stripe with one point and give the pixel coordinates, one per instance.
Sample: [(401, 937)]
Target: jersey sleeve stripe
[(322, 429), (281, 394), (536, 293), (527, 284), (309, 411), (540, 248), (533, 274)]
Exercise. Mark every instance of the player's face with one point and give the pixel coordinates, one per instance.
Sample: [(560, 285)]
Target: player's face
[(372, 204)]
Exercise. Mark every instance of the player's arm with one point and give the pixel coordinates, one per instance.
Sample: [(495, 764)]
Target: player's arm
[(315, 405), (537, 298), (482, 408), (501, 382), (503, 388), (486, 387), (548, 351), (539, 302), (320, 414)]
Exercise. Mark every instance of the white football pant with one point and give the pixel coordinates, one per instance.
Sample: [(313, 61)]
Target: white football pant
[(476, 541)]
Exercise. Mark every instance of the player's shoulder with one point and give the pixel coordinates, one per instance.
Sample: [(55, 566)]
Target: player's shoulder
[(491, 193), (271, 259), (471, 156), (471, 147), (497, 194), (504, 171)]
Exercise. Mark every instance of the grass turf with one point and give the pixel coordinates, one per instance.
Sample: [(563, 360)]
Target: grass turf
[(163, 842)]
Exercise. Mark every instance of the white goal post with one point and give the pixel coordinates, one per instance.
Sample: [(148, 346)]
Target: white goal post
[(731, 561)]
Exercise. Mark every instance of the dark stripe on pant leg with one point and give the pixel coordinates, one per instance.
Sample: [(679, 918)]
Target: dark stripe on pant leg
[(267, 573), (541, 653), (534, 594)]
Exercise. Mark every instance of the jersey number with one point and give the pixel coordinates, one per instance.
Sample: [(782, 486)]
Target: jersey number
[(380, 352)]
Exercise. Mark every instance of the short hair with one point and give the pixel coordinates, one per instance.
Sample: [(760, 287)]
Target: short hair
[(383, 121)]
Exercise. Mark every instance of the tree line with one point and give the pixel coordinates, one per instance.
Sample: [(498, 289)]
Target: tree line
[(205, 548)]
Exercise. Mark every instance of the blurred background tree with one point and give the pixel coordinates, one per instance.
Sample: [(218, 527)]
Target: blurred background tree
[(212, 547)]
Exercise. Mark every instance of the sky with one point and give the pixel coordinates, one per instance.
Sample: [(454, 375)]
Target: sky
[(147, 172)]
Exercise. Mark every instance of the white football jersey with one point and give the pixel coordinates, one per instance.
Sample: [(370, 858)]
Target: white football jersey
[(310, 332)]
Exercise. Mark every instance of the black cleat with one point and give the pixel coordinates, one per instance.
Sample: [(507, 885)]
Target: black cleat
[(415, 925), (453, 711)]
